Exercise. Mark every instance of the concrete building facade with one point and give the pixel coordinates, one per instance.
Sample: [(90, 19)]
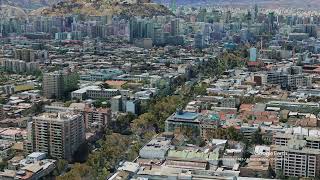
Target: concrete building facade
[(53, 85), (96, 117), (57, 134), (296, 155)]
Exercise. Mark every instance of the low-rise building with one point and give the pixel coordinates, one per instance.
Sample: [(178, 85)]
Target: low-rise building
[(248, 131), (156, 149), (94, 92), (101, 75), (11, 134), (34, 166), (96, 117), (133, 106), (181, 119), (5, 149), (232, 155), (258, 165), (294, 106)]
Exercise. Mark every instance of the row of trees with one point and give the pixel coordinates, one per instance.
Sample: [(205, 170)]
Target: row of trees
[(102, 161), (153, 121), (129, 132), (230, 133), (216, 66), (123, 142)]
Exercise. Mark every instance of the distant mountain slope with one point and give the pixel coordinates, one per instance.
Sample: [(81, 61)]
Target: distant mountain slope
[(30, 4), (268, 3), (9, 11), (312, 4), (102, 7)]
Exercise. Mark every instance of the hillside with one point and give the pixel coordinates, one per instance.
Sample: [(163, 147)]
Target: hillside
[(9, 11), (30, 4), (310, 4), (292, 3), (102, 7)]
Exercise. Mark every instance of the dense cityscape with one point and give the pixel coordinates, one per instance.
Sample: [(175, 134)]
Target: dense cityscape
[(157, 90)]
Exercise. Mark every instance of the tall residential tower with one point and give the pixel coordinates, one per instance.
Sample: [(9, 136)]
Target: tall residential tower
[(57, 134)]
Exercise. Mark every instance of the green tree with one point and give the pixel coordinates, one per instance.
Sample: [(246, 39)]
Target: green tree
[(122, 124), (233, 134), (67, 103), (101, 103), (2, 100), (70, 84), (105, 86), (280, 175), (200, 89), (61, 166), (144, 123), (78, 171), (3, 165)]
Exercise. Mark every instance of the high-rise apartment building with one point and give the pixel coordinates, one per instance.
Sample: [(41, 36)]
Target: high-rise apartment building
[(96, 117), (92, 117), (57, 134), (116, 103), (141, 28), (53, 85), (27, 55), (175, 27), (253, 54), (289, 81), (158, 35), (296, 159), (296, 155), (199, 41), (19, 66)]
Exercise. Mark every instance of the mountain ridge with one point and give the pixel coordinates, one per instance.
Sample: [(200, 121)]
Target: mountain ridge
[(88, 7), (267, 3), (102, 7), (30, 4)]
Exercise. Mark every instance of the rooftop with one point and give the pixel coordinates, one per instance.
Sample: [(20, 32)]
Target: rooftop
[(301, 150), (36, 154), (61, 116), (186, 116), (194, 155), (10, 132), (158, 143), (129, 166)]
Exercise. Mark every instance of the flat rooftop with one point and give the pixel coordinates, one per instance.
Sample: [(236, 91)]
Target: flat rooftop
[(61, 116), (186, 116)]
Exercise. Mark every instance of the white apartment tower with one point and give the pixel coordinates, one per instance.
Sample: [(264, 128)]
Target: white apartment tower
[(57, 134)]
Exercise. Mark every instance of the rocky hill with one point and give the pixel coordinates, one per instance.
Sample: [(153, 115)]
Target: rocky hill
[(308, 4), (8, 11), (103, 7), (30, 4)]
